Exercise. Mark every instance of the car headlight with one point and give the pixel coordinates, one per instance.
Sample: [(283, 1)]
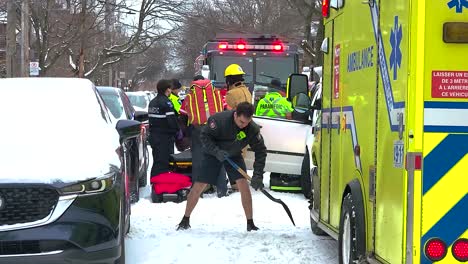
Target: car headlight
[(96, 185)]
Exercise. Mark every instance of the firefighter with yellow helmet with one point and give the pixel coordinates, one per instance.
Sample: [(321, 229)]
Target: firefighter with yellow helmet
[(237, 91)]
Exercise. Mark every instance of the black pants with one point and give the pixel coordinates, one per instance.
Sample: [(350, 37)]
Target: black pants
[(162, 146)]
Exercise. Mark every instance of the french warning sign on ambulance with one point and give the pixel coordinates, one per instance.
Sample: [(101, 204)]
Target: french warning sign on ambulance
[(450, 84)]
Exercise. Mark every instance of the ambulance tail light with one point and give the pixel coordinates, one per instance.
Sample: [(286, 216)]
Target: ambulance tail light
[(325, 8), (460, 250), (435, 249), (413, 161)]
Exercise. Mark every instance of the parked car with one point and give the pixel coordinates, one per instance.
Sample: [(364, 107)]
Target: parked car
[(121, 109), (63, 184), (139, 100)]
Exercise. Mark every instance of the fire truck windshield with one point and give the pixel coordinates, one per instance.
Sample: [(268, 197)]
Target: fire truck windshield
[(221, 62), (266, 68)]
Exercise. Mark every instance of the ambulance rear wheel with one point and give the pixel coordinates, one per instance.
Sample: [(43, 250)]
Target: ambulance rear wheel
[(306, 182), (347, 252)]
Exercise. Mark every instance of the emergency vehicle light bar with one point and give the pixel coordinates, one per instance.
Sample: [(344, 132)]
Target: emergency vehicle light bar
[(242, 46)]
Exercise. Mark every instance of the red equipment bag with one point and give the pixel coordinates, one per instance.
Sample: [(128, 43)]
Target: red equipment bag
[(202, 102), (170, 182)]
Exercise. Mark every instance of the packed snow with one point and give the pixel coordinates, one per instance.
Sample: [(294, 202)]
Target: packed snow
[(219, 235)]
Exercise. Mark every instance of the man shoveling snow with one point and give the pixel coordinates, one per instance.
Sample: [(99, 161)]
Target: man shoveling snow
[(225, 135)]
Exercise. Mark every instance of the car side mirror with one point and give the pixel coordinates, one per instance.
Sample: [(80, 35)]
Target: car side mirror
[(141, 116), (297, 83), (301, 105), (128, 129)]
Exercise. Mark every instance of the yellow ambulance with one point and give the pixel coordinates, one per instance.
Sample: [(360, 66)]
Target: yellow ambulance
[(391, 180)]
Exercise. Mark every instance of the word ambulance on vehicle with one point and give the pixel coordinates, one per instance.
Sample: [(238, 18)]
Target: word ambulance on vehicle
[(264, 58), (391, 182)]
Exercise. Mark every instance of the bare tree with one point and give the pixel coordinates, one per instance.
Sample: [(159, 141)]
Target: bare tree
[(310, 11), (209, 17)]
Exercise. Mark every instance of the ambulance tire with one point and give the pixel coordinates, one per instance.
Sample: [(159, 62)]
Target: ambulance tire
[(347, 246), (306, 180), (316, 230)]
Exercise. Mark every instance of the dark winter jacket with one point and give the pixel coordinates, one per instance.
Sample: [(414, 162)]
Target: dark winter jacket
[(162, 116), (222, 133)]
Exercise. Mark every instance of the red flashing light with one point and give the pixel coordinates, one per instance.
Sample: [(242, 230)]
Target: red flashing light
[(435, 249), (278, 47), (240, 46), (460, 250), (325, 8), (223, 45)]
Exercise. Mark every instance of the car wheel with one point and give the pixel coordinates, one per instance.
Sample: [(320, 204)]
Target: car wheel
[(123, 231), (143, 180), (347, 252), (135, 195), (135, 189), (306, 182)]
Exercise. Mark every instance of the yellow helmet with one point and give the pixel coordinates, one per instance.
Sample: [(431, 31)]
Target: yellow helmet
[(233, 69)]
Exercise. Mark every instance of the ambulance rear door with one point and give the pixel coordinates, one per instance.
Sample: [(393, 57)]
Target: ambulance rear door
[(444, 187)]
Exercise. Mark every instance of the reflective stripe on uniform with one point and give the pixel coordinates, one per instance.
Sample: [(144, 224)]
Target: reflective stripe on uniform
[(161, 116)]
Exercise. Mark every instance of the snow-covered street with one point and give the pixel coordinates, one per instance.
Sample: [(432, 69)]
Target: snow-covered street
[(218, 233)]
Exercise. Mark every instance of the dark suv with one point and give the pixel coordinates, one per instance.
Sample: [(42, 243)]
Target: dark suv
[(121, 109), (63, 187)]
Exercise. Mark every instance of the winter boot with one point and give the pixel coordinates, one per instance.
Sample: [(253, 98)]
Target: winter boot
[(184, 224), (251, 226)]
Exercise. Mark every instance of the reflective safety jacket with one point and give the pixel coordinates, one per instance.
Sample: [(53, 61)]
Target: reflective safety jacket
[(175, 102), (273, 105), (222, 133)]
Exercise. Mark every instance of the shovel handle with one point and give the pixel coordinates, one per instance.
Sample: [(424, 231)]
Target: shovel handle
[(239, 169)]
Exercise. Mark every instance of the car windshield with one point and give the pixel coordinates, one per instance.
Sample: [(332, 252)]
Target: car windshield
[(138, 100), (269, 68), (113, 102), (221, 62)]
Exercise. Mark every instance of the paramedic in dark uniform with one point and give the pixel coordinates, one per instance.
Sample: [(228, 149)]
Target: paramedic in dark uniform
[(163, 127), (225, 135)]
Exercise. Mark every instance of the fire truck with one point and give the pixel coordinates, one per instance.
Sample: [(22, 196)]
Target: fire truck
[(264, 58), (391, 148)]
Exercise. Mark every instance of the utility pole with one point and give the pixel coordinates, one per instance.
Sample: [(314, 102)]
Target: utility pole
[(81, 66), (109, 20), (25, 25), (11, 39)]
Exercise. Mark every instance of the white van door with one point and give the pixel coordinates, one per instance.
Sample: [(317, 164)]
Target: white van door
[(285, 142)]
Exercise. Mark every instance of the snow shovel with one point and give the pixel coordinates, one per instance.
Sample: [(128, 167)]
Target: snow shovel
[(241, 171)]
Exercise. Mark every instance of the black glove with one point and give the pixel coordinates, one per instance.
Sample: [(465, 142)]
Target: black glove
[(257, 182), (221, 155)]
